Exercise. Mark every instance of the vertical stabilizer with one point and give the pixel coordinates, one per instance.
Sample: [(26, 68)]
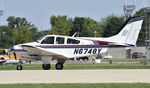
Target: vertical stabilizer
[(130, 31)]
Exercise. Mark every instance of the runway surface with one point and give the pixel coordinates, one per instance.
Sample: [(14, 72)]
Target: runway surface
[(76, 76)]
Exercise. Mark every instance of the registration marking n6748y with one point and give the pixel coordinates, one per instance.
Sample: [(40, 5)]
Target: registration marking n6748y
[(87, 51)]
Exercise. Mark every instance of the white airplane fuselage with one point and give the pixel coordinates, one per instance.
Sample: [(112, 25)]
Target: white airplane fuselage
[(84, 48)]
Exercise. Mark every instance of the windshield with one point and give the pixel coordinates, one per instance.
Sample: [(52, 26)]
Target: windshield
[(39, 39), (48, 40)]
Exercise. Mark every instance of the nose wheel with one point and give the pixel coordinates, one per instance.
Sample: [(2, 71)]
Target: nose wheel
[(59, 66), (46, 66), (19, 67)]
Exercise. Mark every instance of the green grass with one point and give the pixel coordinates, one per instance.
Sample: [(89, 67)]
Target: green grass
[(96, 85), (127, 60), (81, 66), (125, 64)]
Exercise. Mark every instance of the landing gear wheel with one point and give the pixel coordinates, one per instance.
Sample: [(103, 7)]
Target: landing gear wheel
[(46, 66), (19, 67), (59, 66)]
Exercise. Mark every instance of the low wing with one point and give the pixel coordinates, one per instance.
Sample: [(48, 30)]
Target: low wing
[(33, 50)]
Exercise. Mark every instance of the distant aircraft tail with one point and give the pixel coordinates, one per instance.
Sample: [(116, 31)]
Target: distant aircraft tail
[(130, 32)]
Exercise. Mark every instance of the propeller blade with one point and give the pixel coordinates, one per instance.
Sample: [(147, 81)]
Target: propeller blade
[(15, 56)]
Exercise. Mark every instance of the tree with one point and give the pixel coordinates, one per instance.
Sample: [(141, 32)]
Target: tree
[(11, 22), (19, 30), (35, 32), (78, 25), (85, 27), (22, 34), (6, 37), (15, 22), (111, 25), (60, 25), (24, 31)]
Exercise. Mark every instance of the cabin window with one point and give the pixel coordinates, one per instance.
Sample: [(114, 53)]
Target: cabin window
[(72, 41), (60, 40), (48, 40)]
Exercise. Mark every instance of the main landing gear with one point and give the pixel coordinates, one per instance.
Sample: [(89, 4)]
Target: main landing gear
[(46, 66), (58, 66)]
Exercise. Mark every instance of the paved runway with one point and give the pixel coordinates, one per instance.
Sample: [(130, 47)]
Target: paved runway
[(76, 76)]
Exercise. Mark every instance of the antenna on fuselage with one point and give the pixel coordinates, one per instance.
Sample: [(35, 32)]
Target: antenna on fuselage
[(146, 5), (74, 34)]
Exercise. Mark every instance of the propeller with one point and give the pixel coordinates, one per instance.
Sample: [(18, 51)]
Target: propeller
[(15, 55), (20, 61)]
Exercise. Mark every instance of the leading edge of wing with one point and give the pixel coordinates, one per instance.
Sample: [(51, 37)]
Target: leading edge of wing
[(39, 51)]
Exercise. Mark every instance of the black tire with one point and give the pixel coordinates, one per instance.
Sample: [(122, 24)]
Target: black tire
[(19, 67), (59, 66), (46, 66)]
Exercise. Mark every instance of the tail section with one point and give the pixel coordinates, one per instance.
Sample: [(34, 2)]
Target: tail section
[(129, 33)]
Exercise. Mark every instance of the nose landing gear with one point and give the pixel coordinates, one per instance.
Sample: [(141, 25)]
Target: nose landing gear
[(19, 67)]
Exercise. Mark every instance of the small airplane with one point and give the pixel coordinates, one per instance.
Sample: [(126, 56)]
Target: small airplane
[(62, 48), (7, 58)]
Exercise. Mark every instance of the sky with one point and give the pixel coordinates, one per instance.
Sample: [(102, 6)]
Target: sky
[(38, 12)]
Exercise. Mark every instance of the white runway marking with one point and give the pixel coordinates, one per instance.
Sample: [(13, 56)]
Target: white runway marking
[(76, 76)]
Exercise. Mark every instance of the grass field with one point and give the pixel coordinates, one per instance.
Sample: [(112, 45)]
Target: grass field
[(116, 64), (97, 85), (127, 60), (82, 66)]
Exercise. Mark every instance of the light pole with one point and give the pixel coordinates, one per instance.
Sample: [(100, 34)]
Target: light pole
[(128, 8), (95, 33), (147, 39), (1, 9)]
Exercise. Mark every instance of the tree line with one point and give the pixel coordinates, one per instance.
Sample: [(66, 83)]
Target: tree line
[(19, 30)]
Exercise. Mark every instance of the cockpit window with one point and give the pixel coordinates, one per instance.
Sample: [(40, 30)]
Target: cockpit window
[(72, 41), (48, 40), (60, 40)]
